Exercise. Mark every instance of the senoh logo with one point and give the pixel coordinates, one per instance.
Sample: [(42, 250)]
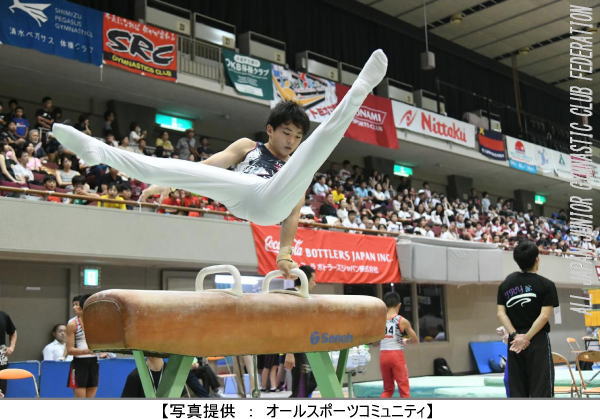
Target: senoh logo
[(323, 337), (408, 117), (137, 45)]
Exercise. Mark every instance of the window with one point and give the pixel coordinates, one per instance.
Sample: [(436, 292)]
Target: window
[(432, 313), (404, 290)]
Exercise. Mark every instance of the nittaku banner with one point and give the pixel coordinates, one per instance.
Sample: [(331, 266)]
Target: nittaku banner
[(249, 76), (429, 123), (316, 95), (140, 48), (491, 144), (337, 257), (54, 27)]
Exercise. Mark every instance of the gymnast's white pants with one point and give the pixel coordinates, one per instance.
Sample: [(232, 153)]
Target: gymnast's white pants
[(261, 201)]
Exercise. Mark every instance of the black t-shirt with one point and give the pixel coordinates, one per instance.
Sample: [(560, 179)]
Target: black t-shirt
[(44, 114), (7, 327), (523, 294)]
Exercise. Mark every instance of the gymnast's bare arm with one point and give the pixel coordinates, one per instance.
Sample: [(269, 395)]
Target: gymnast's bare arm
[(232, 155), (289, 226)]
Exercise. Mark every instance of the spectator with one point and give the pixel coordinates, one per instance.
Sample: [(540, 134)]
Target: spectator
[(82, 189), (125, 192), (124, 144), (203, 151), (307, 209), (4, 118), (338, 194), (43, 116), (113, 176), (21, 123), (172, 199), (164, 142), (83, 124), (362, 191), (136, 133), (12, 106), (485, 203), (112, 193), (111, 140), (346, 171), (34, 138), (328, 208), (141, 148), (57, 349), (10, 134), (109, 120), (50, 185), (6, 165), (33, 163), (190, 200), (7, 328), (450, 233), (186, 145), (320, 188), (65, 174), (22, 173)]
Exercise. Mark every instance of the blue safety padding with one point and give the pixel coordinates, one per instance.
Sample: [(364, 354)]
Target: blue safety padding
[(484, 351), (113, 373), (23, 388), (53, 379)]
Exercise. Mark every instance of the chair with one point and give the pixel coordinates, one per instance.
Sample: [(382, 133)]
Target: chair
[(18, 374), (574, 346), (558, 359), (587, 356)]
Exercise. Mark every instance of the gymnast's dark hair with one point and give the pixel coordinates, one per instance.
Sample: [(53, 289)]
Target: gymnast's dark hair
[(287, 111), (391, 299), (525, 255), (308, 270)]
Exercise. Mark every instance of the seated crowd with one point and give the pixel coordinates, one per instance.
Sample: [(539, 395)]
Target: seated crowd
[(345, 195)]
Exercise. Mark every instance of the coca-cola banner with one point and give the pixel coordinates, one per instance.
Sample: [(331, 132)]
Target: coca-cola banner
[(429, 123), (337, 257)]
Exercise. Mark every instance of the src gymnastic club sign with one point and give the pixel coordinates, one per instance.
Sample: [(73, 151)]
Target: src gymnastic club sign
[(139, 48)]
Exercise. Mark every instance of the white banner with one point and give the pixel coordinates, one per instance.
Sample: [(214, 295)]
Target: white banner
[(521, 151), (429, 123), (315, 94), (283, 408)]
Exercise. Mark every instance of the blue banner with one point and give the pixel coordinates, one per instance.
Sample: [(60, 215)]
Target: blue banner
[(522, 166), (55, 27)]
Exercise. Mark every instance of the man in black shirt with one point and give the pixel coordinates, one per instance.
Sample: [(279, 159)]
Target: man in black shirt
[(525, 304), (7, 327), (43, 116)]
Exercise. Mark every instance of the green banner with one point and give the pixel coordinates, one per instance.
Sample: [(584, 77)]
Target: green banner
[(249, 76)]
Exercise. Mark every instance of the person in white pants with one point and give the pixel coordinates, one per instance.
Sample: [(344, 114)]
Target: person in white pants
[(268, 184)]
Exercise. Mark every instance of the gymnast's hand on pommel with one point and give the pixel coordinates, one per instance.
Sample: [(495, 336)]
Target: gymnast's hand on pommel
[(285, 264)]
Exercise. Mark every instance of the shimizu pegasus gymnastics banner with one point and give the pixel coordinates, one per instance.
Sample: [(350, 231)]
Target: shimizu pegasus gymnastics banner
[(374, 121), (140, 48), (54, 27), (337, 257), (315, 94), (249, 76)]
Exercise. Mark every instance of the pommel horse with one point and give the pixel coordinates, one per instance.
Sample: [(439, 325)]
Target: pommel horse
[(215, 322)]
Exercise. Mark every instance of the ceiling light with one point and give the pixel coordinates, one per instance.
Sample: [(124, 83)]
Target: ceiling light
[(457, 18), (524, 50)]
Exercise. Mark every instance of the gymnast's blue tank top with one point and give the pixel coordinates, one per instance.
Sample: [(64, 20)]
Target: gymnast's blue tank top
[(259, 162)]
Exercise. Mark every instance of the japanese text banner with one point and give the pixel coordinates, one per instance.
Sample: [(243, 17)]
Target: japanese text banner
[(140, 48), (55, 27), (337, 257)]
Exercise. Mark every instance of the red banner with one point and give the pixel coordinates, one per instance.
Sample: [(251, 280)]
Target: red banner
[(139, 48), (374, 121), (337, 257)]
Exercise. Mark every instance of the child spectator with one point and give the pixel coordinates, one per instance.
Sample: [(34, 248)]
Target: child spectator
[(112, 193), (125, 192), (50, 185), (82, 189), (22, 124)]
